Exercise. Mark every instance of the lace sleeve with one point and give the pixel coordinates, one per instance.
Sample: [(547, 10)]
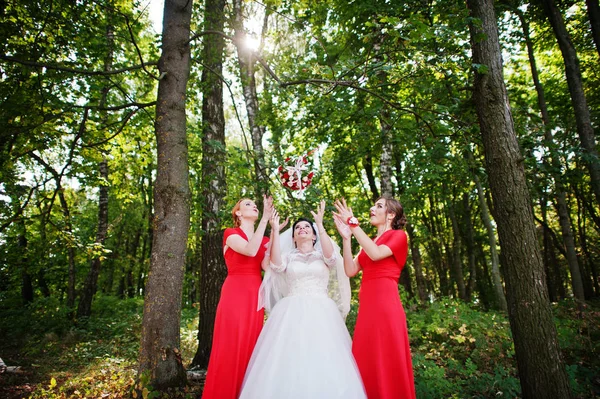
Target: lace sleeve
[(282, 267), (331, 260)]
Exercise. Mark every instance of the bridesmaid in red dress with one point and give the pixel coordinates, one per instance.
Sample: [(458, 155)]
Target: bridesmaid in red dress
[(380, 345), (238, 323)]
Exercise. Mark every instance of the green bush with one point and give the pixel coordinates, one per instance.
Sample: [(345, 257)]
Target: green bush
[(461, 351)]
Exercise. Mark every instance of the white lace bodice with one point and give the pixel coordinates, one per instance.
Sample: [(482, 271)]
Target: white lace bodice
[(306, 274)]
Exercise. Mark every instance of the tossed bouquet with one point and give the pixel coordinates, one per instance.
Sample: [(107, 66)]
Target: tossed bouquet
[(296, 173)]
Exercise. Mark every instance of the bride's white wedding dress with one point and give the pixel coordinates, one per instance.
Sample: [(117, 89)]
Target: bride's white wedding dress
[(304, 350)]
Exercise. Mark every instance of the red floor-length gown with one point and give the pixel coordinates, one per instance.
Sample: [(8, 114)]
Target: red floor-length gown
[(237, 323), (380, 344)]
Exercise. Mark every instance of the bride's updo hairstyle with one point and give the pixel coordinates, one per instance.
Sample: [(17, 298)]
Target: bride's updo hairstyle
[(312, 226), (394, 206), (236, 219)]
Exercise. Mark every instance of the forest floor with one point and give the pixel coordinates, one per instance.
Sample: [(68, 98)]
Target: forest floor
[(458, 350)]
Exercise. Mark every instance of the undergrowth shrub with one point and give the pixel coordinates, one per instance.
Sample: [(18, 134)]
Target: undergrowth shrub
[(461, 350)]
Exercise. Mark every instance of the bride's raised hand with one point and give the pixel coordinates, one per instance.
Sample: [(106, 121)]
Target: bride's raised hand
[(274, 221), (342, 227), (285, 222), (318, 216)]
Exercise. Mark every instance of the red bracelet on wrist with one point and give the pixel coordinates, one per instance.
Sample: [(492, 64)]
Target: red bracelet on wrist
[(352, 221)]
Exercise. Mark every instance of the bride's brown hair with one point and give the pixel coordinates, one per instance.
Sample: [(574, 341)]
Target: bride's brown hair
[(394, 206)]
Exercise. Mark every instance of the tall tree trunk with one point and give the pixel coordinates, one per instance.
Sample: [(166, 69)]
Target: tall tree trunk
[(160, 353), (144, 254), (434, 246), (556, 288), (456, 259), (214, 184), (89, 289), (593, 269), (385, 127), (70, 249), (117, 253), (42, 255), (133, 290), (470, 245), (487, 221), (368, 167), (405, 281), (541, 369), (484, 281), (582, 199), (247, 62), (575, 83), (417, 263), (593, 8), (561, 201), (26, 281), (387, 150)]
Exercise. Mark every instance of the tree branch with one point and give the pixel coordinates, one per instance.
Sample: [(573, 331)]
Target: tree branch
[(117, 107), (62, 68), (123, 124), (20, 210), (137, 49)]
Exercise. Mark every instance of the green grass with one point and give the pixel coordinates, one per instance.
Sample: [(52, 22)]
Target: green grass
[(459, 351)]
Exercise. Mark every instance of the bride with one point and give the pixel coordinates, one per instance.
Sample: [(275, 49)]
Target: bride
[(304, 349)]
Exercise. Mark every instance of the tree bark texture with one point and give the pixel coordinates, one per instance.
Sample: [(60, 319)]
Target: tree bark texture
[(214, 184), (160, 354), (593, 8), (541, 369), (387, 151), (575, 83)]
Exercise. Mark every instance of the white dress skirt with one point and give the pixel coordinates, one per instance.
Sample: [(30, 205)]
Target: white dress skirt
[(304, 350)]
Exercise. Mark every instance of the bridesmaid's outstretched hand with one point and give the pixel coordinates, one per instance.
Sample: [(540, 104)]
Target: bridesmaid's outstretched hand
[(343, 210), (342, 227)]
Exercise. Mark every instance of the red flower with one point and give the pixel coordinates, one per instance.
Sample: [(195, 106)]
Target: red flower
[(290, 180)]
